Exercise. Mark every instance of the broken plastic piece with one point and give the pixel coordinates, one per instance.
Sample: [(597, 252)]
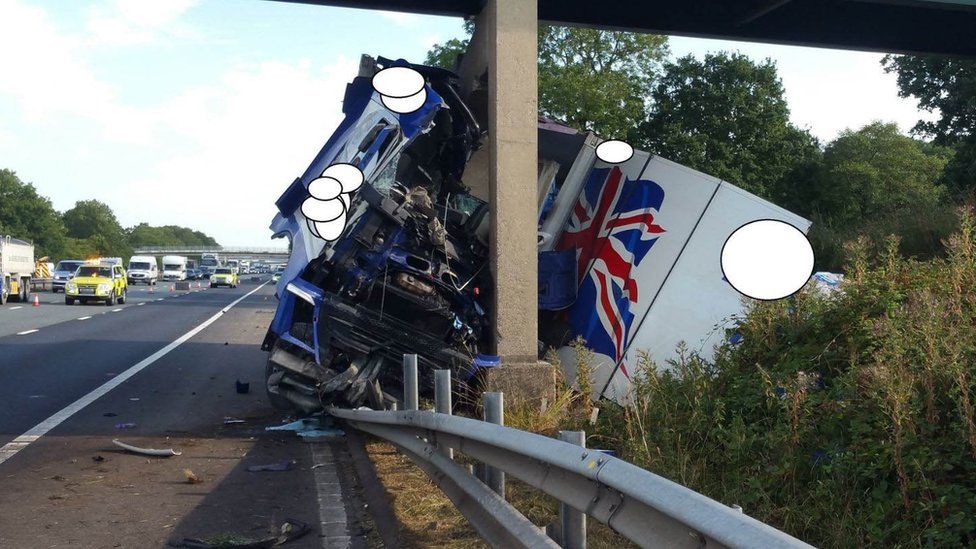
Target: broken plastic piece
[(232, 421), (127, 425), (167, 452), (309, 427)]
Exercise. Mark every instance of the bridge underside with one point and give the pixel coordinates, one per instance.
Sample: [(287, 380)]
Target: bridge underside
[(909, 26)]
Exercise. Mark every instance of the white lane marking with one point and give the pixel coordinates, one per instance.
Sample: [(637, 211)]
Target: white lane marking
[(84, 317), (10, 449), (333, 522), (17, 307), (25, 332), (116, 310), (140, 304), (160, 298)]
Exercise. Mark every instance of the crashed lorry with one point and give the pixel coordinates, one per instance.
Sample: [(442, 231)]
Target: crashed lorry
[(629, 254)]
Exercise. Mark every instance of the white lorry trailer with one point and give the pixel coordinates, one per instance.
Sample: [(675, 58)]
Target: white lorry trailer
[(16, 269), (174, 268), (647, 236)]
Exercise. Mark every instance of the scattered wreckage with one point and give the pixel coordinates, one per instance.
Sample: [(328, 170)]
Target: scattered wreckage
[(409, 273)]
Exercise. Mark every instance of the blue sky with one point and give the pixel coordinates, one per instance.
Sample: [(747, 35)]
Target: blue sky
[(200, 112)]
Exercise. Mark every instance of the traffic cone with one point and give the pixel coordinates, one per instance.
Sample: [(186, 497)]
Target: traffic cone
[(37, 300)]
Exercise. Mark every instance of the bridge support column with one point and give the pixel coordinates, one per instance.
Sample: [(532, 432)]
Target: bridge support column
[(508, 31)]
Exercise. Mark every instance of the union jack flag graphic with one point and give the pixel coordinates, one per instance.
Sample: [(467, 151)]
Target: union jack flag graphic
[(612, 228)]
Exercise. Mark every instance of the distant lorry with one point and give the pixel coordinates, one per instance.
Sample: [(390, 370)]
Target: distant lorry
[(629, 255), (233, 264), (174, 268), (210, 259), (16, 269), (142, 270)]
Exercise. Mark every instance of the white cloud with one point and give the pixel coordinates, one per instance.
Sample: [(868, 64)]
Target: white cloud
[(256, 130), (128, 22), (400, 18)]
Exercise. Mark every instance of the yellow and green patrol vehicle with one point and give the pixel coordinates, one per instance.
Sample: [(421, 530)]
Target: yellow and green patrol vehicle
[(223, 276), (97, 281)]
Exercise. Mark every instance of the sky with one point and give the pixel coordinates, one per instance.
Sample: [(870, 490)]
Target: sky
[(201, 112)]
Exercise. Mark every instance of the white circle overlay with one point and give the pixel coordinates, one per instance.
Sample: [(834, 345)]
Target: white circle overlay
[(325, 188), (767, 259), (614, 151), (398, 82), (405, 105), (351, 177), (323, 210)]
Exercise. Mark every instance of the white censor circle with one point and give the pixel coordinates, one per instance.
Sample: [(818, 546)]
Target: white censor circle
[(767, 259), (614, 151), (398, 82)]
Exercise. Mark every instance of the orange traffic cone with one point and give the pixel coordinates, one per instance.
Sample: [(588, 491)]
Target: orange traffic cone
[(37, 300)]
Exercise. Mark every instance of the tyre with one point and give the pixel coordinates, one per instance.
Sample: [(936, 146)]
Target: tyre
[(124, 297), (213, 285), (69, 300), (84, 301), (25, 290), (110, 300), (278, 402)]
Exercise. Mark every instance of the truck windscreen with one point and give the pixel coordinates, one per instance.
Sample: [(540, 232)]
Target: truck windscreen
[(172, 267), (138, 266)]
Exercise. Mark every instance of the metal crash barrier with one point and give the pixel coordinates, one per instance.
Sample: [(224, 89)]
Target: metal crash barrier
[(647, 509)]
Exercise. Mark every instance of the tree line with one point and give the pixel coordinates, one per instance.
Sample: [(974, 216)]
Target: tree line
[(727, 115), (89, 229)]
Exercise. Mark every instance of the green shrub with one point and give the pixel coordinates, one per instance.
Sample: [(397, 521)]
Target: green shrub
[(845, 420)]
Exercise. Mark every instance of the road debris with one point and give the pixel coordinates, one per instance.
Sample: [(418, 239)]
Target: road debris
[(290, 530), (98, 459), (126, 425), (232, 420), (165, 452), (109, 414), (310, 427), (191, 477), (242, 387), (286, 465)]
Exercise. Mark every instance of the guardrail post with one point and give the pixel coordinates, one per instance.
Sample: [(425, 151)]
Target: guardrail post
[(573, 531), (442, 402), (495, 413), (411, 397)]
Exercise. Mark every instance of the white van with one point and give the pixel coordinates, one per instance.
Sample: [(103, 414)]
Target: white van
[(143, 269), (174, 267)]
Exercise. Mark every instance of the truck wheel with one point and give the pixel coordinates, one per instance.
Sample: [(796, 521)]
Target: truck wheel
[(124, 296), (69, 300), (110, 300)]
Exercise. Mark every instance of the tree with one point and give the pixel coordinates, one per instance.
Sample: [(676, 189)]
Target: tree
[(446, 55), (946, 85), (597, 80), (590, 79), (29, 216), (726, 116), (875, 172), (144, 234), (95, 222)]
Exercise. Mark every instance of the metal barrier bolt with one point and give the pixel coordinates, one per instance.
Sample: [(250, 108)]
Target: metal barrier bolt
[(573, 531)]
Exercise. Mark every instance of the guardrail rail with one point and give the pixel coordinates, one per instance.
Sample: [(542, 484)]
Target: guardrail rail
[(647, 509)]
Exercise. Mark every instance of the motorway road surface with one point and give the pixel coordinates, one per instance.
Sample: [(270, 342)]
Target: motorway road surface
[(167, 363)]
